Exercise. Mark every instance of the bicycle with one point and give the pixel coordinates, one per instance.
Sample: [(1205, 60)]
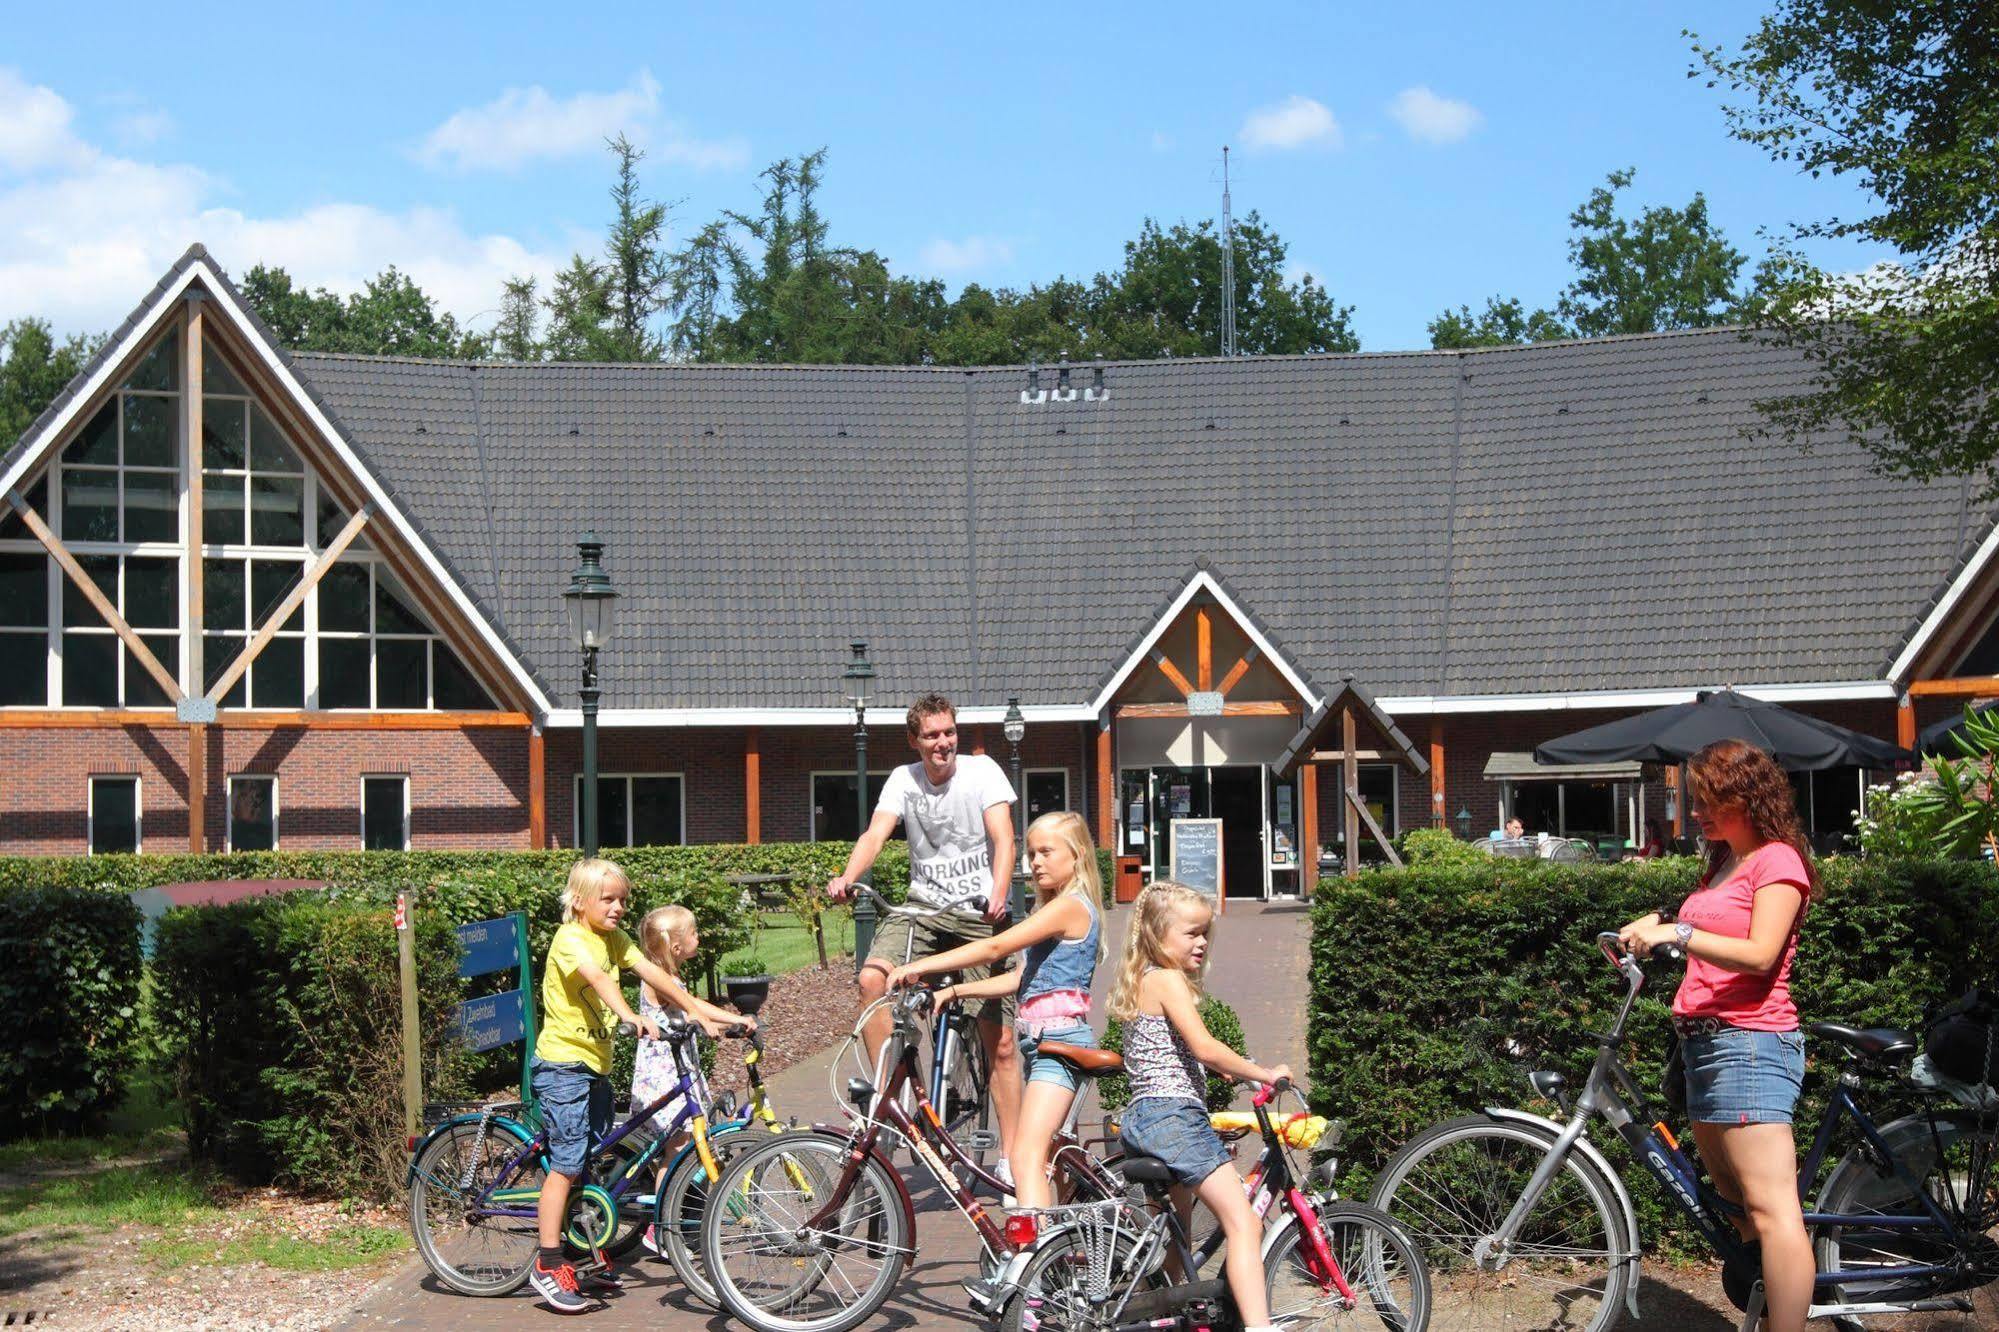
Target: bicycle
[(823, 1257), (475, 1180), (1527, 1224), (1327, 1263)]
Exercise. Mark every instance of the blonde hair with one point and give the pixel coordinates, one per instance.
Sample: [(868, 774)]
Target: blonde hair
[(1154, 911), (1087, 882), (660, 930), (587, 879)]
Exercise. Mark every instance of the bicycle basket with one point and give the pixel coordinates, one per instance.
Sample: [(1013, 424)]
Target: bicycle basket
[(1962, 1038)]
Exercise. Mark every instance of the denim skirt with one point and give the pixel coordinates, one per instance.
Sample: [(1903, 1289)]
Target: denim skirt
[(1736, 1076)]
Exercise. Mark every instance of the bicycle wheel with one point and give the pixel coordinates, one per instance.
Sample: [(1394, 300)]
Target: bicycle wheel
[(1453, 1185), (968, 1105), (1954, 1166), (472, 1252), (1054, 1294), (677, 1216), (1377, 1259), (776, 1276)]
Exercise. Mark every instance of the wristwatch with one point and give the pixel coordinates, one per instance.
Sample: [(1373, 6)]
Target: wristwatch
[(1684, 933)]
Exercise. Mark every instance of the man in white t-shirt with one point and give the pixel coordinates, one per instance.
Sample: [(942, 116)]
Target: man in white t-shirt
[(956, 810)]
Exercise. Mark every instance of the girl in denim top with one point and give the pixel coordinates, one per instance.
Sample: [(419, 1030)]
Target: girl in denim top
[(1062, 940)]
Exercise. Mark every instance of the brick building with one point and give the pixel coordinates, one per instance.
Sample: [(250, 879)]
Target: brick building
[(1174, 565)]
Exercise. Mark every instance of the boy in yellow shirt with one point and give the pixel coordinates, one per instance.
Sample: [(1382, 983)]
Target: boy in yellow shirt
[(581, 1006)]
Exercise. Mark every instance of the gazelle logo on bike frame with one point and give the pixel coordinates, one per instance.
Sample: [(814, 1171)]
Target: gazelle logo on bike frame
[(1664, 1169)]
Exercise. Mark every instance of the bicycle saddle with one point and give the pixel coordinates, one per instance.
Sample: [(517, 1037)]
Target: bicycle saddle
[(1091, 1061), (1871, 1043), (1147, 1170)]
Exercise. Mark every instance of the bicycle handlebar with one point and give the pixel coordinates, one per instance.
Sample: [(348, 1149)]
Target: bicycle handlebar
[(882, 904), (677, 1026)]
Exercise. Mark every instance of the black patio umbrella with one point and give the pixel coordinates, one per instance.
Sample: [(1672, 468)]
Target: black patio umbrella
[(1936, 737), (1674, 734)]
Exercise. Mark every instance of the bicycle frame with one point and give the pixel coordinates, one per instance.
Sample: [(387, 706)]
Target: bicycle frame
[(1269, 1180), (1610, 1093)]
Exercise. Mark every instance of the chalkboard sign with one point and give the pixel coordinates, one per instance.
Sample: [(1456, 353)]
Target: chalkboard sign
[(1196, 853)]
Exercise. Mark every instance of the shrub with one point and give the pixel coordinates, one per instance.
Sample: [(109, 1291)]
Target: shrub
[(1434, 989), (1436, 846), (69, 999), (1898, 819), (1222, 1024), (281, 1022)]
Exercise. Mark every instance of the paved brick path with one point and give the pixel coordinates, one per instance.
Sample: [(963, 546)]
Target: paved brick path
[(1259, 968)]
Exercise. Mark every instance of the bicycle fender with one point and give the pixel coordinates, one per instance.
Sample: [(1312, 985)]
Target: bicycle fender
[(843, 1132), (1552, 1129), (520, 1133)]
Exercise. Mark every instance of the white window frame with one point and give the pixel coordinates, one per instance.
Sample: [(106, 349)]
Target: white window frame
[(367, 777), (812, 780), (90, 810), (576, 804), (229, 812)]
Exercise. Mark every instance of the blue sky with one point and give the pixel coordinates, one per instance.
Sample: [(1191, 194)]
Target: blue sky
[(1412, 158)]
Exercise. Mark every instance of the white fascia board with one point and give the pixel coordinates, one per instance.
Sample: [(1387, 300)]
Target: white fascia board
[(884, 717), (1960, 587), (1202, 581), (1438, 704), (304, 402)]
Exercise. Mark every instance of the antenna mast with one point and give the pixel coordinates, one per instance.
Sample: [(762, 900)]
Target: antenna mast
[(1228, 262)]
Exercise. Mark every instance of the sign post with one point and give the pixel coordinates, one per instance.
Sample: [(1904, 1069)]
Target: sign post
[(486, 1023), (412, 1039)]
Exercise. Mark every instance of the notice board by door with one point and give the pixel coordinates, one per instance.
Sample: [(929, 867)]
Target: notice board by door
[(1195, 857)]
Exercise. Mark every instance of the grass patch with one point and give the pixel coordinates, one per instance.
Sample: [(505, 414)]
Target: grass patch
[(33, 1153), (786, 946), (164, 1196), (341, 1248)]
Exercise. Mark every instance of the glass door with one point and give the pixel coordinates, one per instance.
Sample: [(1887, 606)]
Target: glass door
[(1176, 793)]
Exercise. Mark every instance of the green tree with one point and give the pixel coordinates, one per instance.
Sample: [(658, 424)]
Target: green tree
[(635, 262), (391, 316), (580, 319), (1503, 323), (520, 315), (35, 368), (1668, 268), (1900, 99)]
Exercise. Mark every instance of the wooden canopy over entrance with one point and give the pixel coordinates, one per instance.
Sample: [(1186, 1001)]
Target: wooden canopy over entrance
[(1333, 734)]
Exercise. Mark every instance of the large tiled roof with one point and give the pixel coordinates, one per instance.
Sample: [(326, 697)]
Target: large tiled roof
[(1571, 516)]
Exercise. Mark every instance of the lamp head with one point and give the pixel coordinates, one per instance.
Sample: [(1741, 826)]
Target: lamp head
[(590, 596)]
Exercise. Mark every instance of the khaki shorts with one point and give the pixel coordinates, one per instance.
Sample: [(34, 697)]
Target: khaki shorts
[(900, 939)]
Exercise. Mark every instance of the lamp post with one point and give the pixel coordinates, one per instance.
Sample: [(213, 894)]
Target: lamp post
[(1015, 727), (858, 681), (590, 597)]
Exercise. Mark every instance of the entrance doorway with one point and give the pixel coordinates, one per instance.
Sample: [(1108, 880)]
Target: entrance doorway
[(1237, 801)]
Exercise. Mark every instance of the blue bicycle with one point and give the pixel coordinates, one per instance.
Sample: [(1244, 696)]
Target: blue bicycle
[(1526, 1224)]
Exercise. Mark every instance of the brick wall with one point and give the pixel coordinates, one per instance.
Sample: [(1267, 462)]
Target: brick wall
[(468, 789)]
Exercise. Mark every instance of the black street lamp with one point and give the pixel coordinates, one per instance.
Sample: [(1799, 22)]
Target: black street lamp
[(857, 682), (1015, 727), (590, 597)]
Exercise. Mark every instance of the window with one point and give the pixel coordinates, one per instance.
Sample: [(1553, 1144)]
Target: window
[(366, 618), (385, 811), (1378, 783), (1047, 791), (833, 815), (114, 815), (253, 813), (635, 809)]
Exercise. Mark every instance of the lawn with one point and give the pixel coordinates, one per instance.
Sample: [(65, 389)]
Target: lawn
[(785, 945)]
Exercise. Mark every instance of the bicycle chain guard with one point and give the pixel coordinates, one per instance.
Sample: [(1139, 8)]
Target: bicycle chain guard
[(593, 1218)]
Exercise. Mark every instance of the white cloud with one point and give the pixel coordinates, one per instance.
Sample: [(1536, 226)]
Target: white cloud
[(1429, 118), (524, 125), (143, 127), (85, 233), (1295, 122), (943, 256)]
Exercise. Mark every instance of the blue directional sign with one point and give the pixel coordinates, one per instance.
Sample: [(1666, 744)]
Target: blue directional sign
[(488, 945), (495, 1020)]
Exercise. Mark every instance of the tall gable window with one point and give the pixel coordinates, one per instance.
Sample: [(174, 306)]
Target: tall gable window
[(116, 497)]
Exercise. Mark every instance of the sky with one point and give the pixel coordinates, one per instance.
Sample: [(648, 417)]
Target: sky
[(1411, 157)]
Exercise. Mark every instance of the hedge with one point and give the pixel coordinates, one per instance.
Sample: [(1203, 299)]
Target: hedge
[(1114, 1089), (281, 1028), (69, 1000), (1434, 989)]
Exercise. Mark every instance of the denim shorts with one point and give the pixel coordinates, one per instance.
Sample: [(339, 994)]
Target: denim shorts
[(575, 1103), (1060, 1072), (1178, 1133), (1738, 1076)]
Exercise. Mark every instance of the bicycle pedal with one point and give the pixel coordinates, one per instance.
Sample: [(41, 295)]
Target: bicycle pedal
[(985, 1293), (982, 1140)]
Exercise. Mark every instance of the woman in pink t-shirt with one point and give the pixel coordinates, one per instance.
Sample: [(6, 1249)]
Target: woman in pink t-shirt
[(1745, 1058)]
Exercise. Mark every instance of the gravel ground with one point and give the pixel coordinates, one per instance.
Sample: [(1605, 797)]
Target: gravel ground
[(806, 1011)]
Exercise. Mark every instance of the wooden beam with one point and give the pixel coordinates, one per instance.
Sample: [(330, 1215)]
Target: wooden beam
[(291, 603), (1204, 649), (1308, 828), (1967, 686), (95, 596), (1270, 708), (1905, 722), (537, 788), (1237, 671), (1172, 673), (1364, 755), (1357, 808), (1673, 794), (377, 721), (1108, 813), (1439, 815), (192, 427), (1350, 780), (753, 786), (85, 719)]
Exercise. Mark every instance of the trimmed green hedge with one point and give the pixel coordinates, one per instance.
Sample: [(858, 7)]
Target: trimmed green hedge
[(1434, 989), (1222, 1023), (69, 1000)]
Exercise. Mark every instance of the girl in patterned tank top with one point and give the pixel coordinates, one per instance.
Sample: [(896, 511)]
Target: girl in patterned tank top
[(1165, 1047), (1062, 941)]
